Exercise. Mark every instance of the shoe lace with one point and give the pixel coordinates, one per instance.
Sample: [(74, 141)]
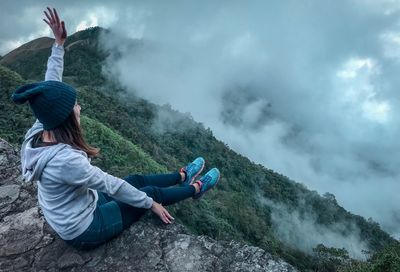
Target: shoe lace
[(207, 179), (190, 167)]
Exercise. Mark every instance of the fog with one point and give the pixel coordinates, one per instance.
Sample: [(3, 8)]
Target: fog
[(308, 89), (309, 94), (301, 230)]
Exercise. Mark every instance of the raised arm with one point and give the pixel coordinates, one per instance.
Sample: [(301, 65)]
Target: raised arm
[(55, 63)]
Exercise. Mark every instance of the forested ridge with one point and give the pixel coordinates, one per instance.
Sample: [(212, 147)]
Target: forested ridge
[(122, 125)]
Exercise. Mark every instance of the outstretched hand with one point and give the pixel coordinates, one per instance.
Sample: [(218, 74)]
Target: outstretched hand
[(162, 212), (58, 28)]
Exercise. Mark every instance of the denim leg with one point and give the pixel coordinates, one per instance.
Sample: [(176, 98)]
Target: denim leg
[(103, 198), (163, 180), (111, 217), (165, 196), (106, 224), (168, 196)]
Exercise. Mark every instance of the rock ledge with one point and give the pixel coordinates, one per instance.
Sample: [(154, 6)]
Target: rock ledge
[(27, 243)]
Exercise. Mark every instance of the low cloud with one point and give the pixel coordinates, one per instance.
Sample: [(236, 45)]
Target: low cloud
[(304, 93), (302, 231), (306, 89)]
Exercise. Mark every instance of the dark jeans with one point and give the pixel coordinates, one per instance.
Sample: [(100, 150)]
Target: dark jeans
[(111, 216)]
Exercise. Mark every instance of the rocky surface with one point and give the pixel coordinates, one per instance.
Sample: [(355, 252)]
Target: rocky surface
[(27, 243)]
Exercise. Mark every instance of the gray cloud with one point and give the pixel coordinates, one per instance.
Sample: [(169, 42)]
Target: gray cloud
[(21, 21), (308, 88), (301, 88)]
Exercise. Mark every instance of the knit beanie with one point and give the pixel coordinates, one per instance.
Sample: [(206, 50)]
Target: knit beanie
[(51, 101)]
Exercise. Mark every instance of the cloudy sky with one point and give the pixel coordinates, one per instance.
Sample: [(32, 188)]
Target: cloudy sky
[(306, 88)]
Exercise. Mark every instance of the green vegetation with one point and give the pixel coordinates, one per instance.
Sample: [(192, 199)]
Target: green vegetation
[(31, 66), (385, 260), (13, 121), (122, 126), (119, 156), (330, 259)]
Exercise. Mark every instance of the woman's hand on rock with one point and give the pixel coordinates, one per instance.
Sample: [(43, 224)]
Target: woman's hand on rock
[(162, 213)]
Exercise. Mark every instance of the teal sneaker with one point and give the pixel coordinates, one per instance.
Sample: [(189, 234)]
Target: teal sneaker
[(206, 182), (192, 170)]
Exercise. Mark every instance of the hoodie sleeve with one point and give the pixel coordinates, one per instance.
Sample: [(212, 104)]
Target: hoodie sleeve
[(78, 171), (54, 71), (55, 63)]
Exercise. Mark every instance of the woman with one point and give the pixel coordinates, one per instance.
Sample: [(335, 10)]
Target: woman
[(83, 204)]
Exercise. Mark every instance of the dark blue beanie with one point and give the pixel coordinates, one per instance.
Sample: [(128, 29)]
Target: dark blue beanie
[(51, 101)]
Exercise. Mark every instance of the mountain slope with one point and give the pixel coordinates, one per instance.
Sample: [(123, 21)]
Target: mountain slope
[(29, 244), (245, 203)]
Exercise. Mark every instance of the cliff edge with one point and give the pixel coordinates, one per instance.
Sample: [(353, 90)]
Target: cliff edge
[(27, 243)]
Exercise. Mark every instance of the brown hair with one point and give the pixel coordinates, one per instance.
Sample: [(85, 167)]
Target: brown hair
[(69, 132)]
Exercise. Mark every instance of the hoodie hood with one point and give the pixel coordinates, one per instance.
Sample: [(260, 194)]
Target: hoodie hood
[(34, 160)]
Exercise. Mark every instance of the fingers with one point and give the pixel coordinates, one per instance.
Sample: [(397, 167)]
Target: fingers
[(51, 15), (165, 219), (48, 23), (48, 18), (162, 213), (57, 26), (56, 16), (165, 216), (64, 33), (168, 215)]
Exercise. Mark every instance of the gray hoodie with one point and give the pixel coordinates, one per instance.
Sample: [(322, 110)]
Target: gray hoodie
[(67, 182)]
